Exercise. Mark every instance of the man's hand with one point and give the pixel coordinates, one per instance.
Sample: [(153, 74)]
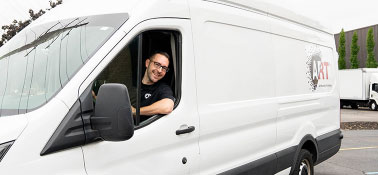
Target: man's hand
[(94, 95), (133, 110)]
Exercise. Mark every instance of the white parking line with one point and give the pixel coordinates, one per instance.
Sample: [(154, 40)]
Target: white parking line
[(370, 173)]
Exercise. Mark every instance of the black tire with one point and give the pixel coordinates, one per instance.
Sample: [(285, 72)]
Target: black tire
[(373, 106), (354, 106), (304, 165)]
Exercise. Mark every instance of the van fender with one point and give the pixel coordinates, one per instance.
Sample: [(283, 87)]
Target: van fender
[(308, 142)]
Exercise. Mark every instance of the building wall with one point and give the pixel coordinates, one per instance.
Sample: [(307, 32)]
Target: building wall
[(362, 35)]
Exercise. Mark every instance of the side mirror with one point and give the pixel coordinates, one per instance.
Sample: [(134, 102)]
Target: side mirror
[(113, 117)]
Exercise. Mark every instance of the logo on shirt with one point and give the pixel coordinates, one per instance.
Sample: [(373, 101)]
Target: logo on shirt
[(147, 95)]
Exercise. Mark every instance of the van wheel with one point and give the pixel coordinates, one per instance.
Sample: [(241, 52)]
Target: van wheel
[(304, 164), (373, 106)]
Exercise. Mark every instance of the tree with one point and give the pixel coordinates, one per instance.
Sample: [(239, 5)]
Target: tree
[(342, 64), (370, 61), (16, 26), (354, 52)]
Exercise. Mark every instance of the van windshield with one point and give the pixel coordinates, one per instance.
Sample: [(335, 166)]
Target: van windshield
[(37, 63)]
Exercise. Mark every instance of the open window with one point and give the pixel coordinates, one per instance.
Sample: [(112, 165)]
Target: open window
[(128, 68)]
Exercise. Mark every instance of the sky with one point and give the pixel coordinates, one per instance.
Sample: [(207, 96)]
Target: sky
[(334, 14), (19, 9), (338, 14)]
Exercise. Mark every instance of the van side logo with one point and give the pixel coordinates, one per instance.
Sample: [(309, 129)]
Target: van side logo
[(316, 68)]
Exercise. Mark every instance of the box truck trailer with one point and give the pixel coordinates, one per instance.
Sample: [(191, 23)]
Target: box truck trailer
[(359, 88), (255, 85)]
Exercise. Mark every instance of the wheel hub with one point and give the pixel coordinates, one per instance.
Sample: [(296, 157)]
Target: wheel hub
[(304, 168)]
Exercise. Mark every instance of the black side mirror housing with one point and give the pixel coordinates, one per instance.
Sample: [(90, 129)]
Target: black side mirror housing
[(113, 117)]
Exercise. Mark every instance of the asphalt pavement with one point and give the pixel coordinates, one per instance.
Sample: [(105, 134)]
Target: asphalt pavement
[(361, 115), (358, 154)]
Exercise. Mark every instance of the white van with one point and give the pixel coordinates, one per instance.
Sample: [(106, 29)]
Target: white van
[(256, 90)]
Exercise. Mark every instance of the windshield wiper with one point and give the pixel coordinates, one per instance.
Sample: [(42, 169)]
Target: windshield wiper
[(72, 27), (63, 28), (76, 25), (48, 30), (38, 39), (57, 29)]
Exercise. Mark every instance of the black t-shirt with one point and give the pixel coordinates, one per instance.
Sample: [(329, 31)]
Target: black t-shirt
[(153, 93)]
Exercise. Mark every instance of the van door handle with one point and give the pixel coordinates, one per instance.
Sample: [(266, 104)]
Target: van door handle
[(184, 131)]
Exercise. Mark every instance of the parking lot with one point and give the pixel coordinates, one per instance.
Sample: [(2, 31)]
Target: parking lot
[(361, 114), (359, 149)]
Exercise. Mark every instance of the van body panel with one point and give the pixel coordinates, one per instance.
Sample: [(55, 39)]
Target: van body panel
[(303, 86), (265, 165), (256, 6), (12, 127), (307, 88), (276, 10), (156, 145), (328, 145), (233, 116), (24, 156)]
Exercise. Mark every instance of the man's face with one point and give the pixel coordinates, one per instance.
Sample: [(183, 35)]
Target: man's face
[(155, 71)]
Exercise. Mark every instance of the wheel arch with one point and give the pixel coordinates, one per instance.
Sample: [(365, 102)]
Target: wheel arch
[(309, 143)]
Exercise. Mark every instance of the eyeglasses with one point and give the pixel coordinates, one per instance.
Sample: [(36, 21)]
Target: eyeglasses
[(158, 66)]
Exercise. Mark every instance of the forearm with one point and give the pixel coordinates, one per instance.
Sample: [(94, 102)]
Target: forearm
[(164, 106)]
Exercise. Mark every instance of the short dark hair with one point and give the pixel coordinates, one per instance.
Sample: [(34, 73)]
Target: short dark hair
[(159, 52)]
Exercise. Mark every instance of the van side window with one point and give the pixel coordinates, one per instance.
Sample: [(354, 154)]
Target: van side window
[(123, 69)]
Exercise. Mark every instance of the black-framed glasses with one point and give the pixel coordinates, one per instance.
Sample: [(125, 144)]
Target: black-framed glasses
[(158, 66)]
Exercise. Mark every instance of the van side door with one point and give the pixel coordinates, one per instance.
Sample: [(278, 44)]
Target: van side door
[(162, 144)]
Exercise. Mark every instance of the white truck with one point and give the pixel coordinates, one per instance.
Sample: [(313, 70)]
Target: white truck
[(359, 88)]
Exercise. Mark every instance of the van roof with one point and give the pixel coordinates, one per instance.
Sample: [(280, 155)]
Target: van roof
[(89, 7), (276, 9), (85, 8)]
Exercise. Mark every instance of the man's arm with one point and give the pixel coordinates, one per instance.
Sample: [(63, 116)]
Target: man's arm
[(163, 106)]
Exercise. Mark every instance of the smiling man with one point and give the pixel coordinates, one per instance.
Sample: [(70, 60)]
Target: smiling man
[(156, 97)]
